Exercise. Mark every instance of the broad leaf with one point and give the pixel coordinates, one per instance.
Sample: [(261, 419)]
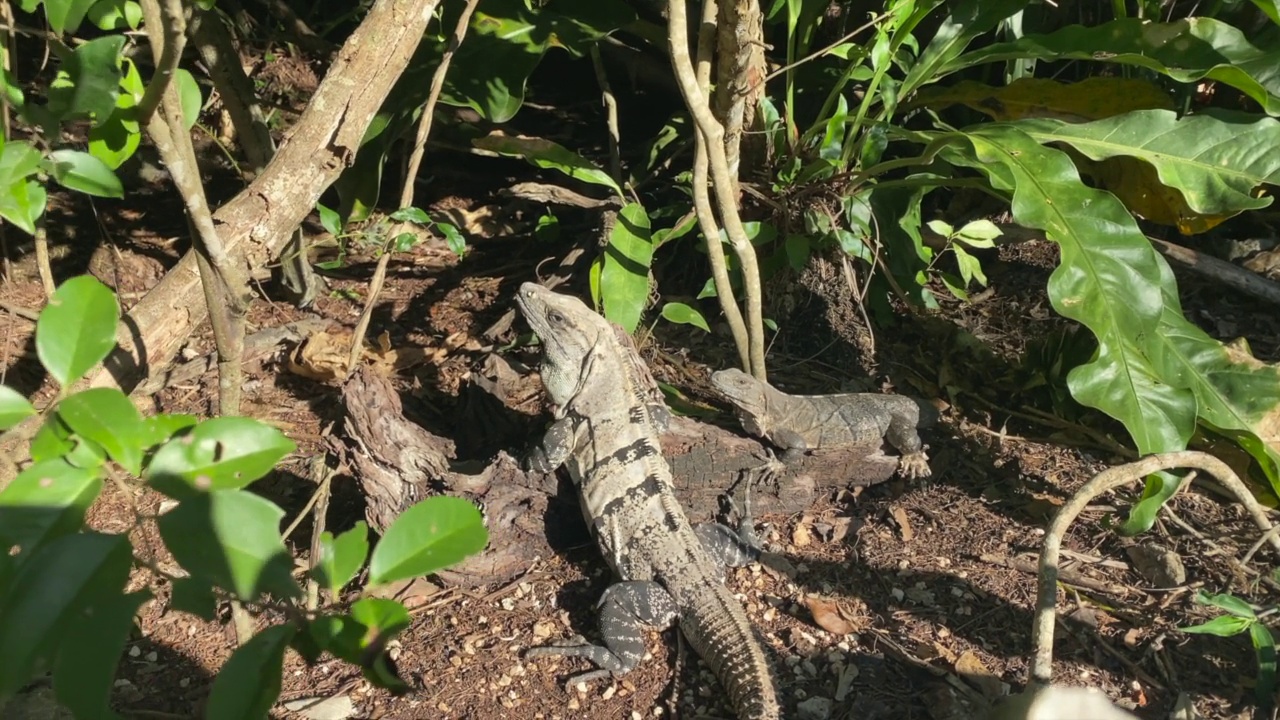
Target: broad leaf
[(1228, 602), (22, 204), (89, 82), (18, 160), (624, 275), (218, 454), (248, 684), (342, 557), (13, 408), (1093, 98), (680, 313), (116, 14), (52, 441), (431, 535), (232, 539), (1109, 279), (82, 171), (65, 16), (968, 20), (1186, 50), (189, 97), (195, 596), (547, 154), (1222, 626), (45, 501), (77, 329), (85, 671), (107, 416), (159, 428), (61, 580)]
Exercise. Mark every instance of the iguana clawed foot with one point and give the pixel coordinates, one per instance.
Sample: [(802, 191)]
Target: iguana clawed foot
[(913, 466)]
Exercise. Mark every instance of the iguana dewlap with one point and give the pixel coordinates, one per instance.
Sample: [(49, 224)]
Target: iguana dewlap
[(796, 423)]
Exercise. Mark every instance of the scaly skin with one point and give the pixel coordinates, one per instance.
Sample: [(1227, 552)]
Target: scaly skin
[(797, 423), (606, 434)]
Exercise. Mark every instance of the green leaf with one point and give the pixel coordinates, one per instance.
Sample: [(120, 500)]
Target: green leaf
[(45, 501), (970, 266), (329, 220), (218, 454), (967, 20), (107, 417), (340, 559), (624, 276), (195, 596), (18, 160), (453, 237), (13, 408), (159, 428), (189, 97), (116, 15), (797, 248), (232, 539), (1270, 8), (77, 170), (22, 200), (430, 535), (1186, 50), (1222, 626), (52, 440), (88, 83), (979, 234), (547, 154), (1109, 279), (683, 314), (84, 673), (65, 16), (1156, 492), (1217, 159), (383, 621), (1228, 602), (411, 214), (248, 684), (61, 580), (1264, 646), (116, 139), (77, 329)]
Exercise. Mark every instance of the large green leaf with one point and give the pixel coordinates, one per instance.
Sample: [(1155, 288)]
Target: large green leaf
[(107, 416), (77, 170), (22, 199), (116, 139), (66, 15), (231, 538), (85, 671), (967, 20), (1217, 159), (89, 82), (60, 581), (624, 276), (546, 154), (1109, 279), (13, 407), (430, 535), (218, 454), (1186, 50), (77, 329), (45, 501), (249, 683)]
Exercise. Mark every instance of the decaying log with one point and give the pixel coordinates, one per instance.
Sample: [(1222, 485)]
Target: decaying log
[(398, 462)]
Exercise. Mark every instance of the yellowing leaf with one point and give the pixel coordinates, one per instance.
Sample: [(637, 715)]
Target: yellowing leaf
[(1091, 99)]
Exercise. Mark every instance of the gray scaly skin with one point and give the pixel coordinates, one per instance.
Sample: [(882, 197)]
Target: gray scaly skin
[(605, 432), (797, 423)]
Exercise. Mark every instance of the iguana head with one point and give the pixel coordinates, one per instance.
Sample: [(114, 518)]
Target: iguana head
[(745, 392), (569, 331)]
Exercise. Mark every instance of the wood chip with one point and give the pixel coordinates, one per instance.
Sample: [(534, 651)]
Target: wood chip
[(904, 524)]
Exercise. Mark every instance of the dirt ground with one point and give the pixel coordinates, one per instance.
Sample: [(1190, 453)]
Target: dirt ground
[(901, 601)]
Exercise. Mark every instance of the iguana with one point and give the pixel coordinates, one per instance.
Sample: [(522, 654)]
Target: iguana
[(605, 432), (797, 423)]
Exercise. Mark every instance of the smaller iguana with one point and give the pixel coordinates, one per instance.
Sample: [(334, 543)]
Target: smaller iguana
[(797, 423)]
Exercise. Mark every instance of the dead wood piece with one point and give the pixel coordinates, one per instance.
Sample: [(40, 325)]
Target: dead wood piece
[(398, 462)]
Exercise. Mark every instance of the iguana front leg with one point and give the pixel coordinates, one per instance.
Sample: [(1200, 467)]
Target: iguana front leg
[(553, 450), (731, 548), (626, 608), (904, 437)]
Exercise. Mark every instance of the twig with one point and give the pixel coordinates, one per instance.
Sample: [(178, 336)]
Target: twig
[(319, 469), (19, 311), (42, 257), (611, 114), (410, 175), (1046, 597)]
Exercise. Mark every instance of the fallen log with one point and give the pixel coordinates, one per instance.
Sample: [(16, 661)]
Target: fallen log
[(398, 462)]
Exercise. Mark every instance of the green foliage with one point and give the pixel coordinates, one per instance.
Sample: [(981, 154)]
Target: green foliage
[(63, 608), (622, 289), (1241, 618)]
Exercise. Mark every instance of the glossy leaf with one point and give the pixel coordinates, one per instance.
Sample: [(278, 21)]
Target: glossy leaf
[(116, 14), (430, 535), (77, 170), (1228, 602), (107, 417), (1222, 626), (116, 139), (52, 440), (18, 160), (329, 220), (89, 81), (342, 557), (453, 237), (1186, 50), (683, 314), (1109, 279), (624, 275), (157, 429), (968, 20), (232, 539), (1092, 98), (45, 501), (1264, 646), (61, 579), (217, 454), (547, 154), (65, 16), (22, 204), (77, 329), (189, 97), (248, 684), (411, 214), (85, 671), (13, 408)]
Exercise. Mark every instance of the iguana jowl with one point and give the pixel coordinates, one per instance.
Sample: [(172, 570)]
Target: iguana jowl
[(809, 422), (605, 433)]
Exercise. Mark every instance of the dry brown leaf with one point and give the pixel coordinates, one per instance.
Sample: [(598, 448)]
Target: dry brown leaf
[(802, 535), (828, 616), (904, 524), (971, 668), (323, 356)]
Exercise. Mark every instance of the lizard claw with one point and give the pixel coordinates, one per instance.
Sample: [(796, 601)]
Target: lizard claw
[(914, 465)]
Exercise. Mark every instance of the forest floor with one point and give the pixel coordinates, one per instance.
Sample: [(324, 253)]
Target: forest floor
[(905, 596)]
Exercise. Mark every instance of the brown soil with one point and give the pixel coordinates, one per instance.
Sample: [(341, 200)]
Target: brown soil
[(920, 575)]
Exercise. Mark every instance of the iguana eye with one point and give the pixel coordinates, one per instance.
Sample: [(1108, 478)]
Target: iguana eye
[(555, 317)]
